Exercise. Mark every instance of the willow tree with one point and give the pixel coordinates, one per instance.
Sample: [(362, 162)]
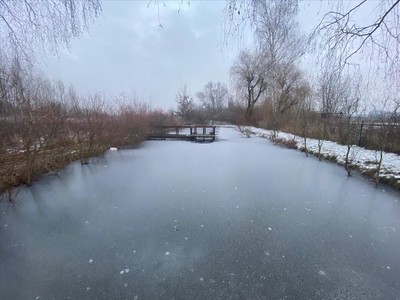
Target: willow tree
[(249, 73), (280, 43), (347, 31), (33, 27)]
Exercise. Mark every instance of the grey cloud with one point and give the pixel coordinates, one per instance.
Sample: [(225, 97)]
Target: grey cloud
[(127, 50)]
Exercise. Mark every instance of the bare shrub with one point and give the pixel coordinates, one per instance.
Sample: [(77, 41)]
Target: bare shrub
[(245, 130)]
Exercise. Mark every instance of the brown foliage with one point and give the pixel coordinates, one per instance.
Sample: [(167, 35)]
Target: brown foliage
[(44, 128)]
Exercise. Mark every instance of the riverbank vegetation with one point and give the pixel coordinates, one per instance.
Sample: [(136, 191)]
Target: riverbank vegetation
[(45, 125), (361, 159)]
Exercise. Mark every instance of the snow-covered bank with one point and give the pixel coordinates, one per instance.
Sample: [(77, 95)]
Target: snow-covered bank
[(362, 159)]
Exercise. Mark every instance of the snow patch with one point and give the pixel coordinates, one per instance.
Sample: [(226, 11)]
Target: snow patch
[(364, 159)]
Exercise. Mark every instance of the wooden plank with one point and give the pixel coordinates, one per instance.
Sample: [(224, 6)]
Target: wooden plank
[(186, 126), (172, 132), (203, 135), (168, 136)]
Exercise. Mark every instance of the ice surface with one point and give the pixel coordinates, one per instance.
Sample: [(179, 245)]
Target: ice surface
[(133, 213)]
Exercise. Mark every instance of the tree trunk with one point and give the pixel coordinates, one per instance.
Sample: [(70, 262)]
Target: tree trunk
[(249, 113), (319, 149), (305, 140), (346, 162), (360, 137), (378, 168)]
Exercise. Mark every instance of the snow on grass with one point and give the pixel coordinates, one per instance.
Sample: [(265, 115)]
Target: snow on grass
[(364, 159)]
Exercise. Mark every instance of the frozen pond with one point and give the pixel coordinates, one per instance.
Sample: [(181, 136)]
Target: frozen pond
[(235, 219)]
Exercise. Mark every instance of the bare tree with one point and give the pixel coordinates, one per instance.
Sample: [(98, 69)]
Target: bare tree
[(289, 84), (387, 117), (282, 44), (30, 27), (91, 128), (214, 98), (277, 31), (332, 89), (343, 30), (239, 14), (350, 105), (249, 74), (305, 107), (185, 103)]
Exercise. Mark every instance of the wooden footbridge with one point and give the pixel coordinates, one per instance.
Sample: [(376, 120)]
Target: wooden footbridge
[(185, 132)]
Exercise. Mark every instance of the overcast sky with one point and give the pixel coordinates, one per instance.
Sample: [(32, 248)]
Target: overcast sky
[(126, 50)]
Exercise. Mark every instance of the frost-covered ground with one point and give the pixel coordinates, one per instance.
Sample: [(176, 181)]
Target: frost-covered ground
[(363, 159)]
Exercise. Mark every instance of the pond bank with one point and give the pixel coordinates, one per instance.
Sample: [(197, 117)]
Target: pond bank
[(361, 159)]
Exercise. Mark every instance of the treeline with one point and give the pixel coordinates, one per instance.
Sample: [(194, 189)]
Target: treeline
[(342, 120), (334, 99), (45, 125)]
